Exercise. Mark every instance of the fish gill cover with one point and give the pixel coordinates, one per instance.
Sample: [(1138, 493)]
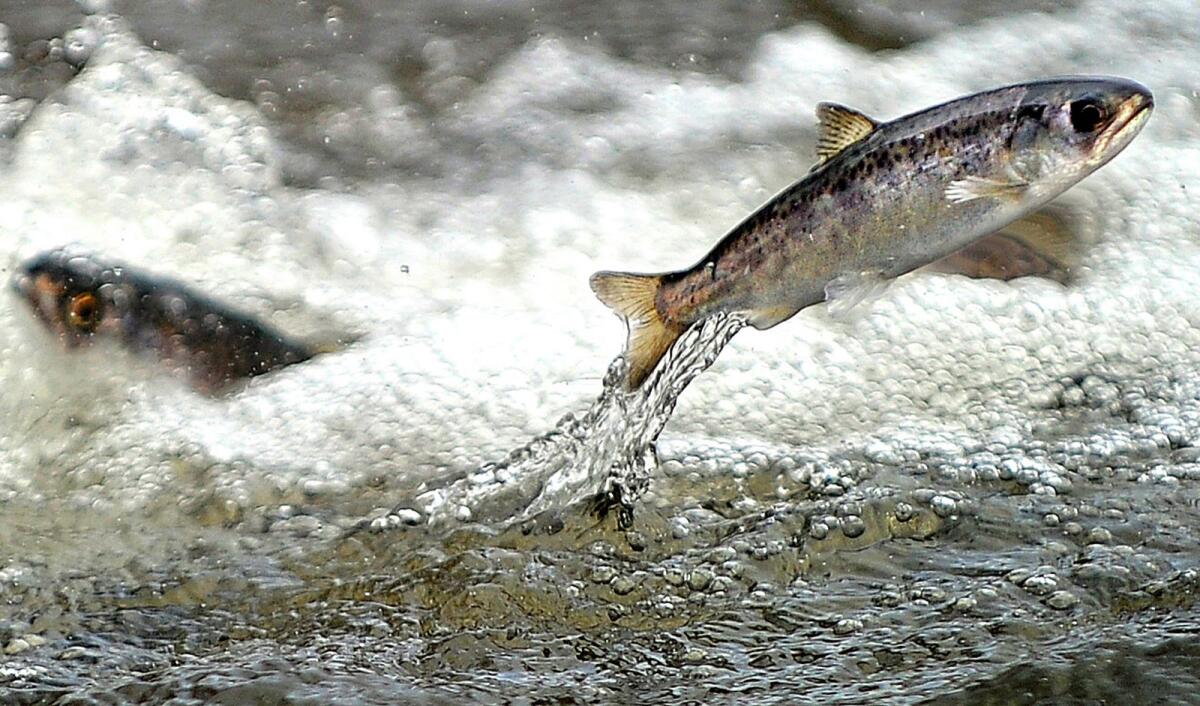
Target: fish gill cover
[(901, 506)]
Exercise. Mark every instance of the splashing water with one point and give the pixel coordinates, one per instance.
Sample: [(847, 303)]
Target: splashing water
[(608, 452)]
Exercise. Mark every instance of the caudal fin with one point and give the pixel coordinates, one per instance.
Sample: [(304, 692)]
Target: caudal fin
[(633, 298)]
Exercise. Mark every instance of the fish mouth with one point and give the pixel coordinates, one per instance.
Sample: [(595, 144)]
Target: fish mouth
[(19, 284), (22, 284), (1131, 115)]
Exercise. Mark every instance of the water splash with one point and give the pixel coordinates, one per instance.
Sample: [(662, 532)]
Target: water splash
[(607, 452)]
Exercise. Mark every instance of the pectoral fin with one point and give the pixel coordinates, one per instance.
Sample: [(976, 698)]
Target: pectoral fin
[(1042, 244), (974, 187), (851, 289), (763, 319)]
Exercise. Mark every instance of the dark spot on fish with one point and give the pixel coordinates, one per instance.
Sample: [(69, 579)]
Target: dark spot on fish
[(1031, 112)]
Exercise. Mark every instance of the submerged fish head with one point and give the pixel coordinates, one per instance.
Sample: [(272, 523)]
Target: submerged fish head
[(1067, 128), (68, 294)]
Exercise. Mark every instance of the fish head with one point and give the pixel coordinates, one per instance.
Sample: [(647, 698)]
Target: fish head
[(69, 293), (1067, 128)]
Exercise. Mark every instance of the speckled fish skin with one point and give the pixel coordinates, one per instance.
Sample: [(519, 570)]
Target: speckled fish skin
[(80, 298), (909, 192)]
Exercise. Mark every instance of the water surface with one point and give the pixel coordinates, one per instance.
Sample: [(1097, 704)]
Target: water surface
[(973, 492)]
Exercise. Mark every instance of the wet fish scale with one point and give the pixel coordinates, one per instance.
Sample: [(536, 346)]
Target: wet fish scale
[(886, 199)]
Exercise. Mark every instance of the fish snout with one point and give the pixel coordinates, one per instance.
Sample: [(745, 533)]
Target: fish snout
[(1139, 99), (1132, 112), (40, 292), (21, 283), (1130, 104)]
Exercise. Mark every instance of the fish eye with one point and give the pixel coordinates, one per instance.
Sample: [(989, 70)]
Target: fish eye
[(1087, 114), (83, 312)]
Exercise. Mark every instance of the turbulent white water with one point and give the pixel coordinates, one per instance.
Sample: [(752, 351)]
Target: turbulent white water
[(809, 481), (609, 451), (478, 327)]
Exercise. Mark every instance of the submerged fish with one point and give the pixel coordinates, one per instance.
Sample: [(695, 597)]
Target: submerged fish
[(80, 298), (887, 198)]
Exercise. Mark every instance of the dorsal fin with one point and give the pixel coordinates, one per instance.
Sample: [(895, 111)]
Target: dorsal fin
[(839, 127)]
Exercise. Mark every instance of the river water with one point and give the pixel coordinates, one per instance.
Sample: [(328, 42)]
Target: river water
[(972, 492)]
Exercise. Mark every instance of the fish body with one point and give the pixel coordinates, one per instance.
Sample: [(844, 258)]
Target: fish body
[(885, 199), (81, 298)]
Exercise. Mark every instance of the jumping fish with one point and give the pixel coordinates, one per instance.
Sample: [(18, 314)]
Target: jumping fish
[(886, 198), (80, 298)]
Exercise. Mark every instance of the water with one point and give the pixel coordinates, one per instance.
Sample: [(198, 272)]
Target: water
[(606, 454), (972, 492)]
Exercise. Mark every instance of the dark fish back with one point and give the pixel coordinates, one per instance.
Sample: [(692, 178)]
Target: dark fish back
[(212, 344), (215, 344)]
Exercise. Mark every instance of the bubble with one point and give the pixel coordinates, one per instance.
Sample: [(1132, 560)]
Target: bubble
[(721, 584), (1062, 600), (1040, 585), (25, 642), (78, 45), (623, 585), (965, 604), (853, 526), (943, 506), (847, 626), (408, 516), (699, 579)]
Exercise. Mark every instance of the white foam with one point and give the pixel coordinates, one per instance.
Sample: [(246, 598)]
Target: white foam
[(479, 327)]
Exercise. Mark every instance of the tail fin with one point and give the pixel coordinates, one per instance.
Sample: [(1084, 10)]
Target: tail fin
[(633, 298)]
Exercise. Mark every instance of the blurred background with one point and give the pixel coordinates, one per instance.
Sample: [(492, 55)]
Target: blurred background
[(975, 492), (332, 78)]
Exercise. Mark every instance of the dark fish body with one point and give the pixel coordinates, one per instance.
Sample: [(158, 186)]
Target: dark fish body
[(885, 199), (80, 298)]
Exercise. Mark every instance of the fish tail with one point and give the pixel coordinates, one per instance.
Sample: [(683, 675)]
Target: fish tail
[(633, 298)]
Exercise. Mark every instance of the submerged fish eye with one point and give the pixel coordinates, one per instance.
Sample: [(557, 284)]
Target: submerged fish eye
[(83, 312), (1087, 114)]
